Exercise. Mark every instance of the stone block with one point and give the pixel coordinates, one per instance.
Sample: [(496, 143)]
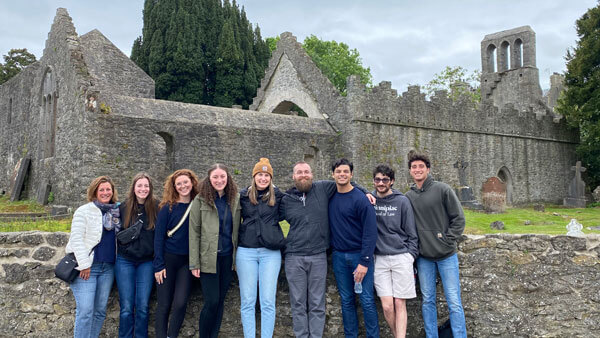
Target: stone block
[(17, 187), (15, 273), (568, 243), (539, 207), (497, 225), (32, 238), (493, 194), (596, 194), (10, 252), (44, 254), (58, 239), (56, 210)]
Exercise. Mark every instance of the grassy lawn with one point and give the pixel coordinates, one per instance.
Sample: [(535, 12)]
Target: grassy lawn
[(553, 221), (42, 223)]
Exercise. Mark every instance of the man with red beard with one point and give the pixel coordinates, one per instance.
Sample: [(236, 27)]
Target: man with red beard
[(305, 207)]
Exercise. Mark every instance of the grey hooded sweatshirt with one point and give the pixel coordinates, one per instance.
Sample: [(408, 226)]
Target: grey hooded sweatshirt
[(439, 218), (396, 230)]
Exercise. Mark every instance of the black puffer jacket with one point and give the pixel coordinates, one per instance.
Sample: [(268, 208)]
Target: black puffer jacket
[(142, 249), (249, 229)]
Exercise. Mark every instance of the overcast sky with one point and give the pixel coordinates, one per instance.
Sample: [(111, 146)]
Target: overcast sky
[(403, 41)]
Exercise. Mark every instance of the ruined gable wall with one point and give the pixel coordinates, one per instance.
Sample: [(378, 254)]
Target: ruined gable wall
[(386, 127), (112, 70)]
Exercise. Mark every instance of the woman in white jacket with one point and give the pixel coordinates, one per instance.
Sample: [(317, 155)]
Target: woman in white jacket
[(92, 240)]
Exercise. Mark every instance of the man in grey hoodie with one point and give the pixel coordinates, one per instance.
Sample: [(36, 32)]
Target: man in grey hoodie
[(440, 223), (396, 249)]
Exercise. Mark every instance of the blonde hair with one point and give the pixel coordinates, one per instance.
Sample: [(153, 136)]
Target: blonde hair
[(92, 190)]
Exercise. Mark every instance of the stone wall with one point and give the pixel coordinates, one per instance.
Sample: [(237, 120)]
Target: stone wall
[(386, 127), (512, 286)]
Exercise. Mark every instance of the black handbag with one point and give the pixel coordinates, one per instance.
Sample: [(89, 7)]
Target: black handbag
[(65, 269), (126, 236), (270, 236)]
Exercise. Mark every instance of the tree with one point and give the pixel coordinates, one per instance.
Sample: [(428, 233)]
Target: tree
[(14, 62), (457, 81), (580, 102), (337, 61), (201, 51)]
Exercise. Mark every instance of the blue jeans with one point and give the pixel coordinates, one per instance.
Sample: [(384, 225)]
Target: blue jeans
[(344, 264), (427, 271), (91, 297), (258, 265), (134, 281)]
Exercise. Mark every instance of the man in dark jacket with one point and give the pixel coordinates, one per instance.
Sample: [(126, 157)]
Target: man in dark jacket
[(396, 250), (305, 207), (440, 223)]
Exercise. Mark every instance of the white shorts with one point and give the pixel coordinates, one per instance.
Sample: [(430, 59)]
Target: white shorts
[(394, 276)]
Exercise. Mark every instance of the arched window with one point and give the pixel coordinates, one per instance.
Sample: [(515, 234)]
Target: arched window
[(167, 150), (518, 54), (48, 113), (289, 108), (506, 177), (491, 59), (504, 57)]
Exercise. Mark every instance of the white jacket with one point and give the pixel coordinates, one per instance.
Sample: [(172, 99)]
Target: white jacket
[(86, 232)]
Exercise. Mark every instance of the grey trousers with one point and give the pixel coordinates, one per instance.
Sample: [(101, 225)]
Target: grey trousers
[(306, 276)]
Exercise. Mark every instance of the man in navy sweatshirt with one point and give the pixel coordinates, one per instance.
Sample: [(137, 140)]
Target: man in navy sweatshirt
[(440, 223), (353, 239), (396, 250)]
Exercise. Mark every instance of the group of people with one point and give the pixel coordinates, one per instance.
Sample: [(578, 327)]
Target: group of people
[(208, 229)]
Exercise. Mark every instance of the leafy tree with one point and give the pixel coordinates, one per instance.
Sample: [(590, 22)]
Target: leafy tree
[(580, 102), (201, 51), (272, 43), (457, 81), (16, 60), (337, 61)]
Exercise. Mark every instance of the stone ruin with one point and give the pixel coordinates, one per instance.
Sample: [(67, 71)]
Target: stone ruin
[(84, 109)]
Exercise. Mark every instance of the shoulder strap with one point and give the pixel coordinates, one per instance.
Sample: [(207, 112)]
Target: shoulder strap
[(185, 215)]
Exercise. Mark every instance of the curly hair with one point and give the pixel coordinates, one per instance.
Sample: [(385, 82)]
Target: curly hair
[(170, 194), (92, 190), (414, 156), (131, 205), (208, 193)]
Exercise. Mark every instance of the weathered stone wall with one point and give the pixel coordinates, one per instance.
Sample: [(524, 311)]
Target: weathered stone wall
[(512, 286), (385, 127)]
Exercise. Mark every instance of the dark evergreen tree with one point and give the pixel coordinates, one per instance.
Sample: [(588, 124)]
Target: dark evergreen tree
[(580, 102), (201, 51)]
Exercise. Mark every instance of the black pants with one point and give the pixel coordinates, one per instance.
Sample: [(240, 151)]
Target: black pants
[(214, 290), (173, 294)]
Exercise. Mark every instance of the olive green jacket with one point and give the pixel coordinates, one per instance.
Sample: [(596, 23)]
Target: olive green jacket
[(204, 234)]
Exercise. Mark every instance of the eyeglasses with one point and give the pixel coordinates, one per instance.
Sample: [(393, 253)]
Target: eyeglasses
[(384, 180)]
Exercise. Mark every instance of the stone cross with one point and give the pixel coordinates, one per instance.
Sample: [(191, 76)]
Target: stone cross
[(577, 181), (462, 173)]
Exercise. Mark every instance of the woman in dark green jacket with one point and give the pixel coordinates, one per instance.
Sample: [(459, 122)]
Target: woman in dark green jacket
[(214, 223)]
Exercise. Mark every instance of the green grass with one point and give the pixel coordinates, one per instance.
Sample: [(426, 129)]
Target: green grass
[(7, 206), (553, 221), (42, 223)]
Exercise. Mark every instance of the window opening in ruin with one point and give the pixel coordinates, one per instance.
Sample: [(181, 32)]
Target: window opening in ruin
[(491, 59), (504, 62), (506, 177), (9, 119), (49, 112), (289, 108), (169, 153), (311, 157), (518, 53)]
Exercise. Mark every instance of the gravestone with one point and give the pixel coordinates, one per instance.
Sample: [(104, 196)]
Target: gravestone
[(596, 194), (465, 193), (576, 192), (17, 186), (493, 195), (574, 228), (43, 192)]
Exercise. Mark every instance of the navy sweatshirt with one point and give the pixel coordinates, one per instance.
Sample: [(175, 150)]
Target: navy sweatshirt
[(178, 244), (353, 224)]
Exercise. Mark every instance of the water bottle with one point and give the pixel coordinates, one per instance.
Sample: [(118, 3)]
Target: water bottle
[(357, 287)]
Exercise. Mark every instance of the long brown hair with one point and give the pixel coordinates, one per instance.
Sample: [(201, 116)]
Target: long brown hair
[(170, 194), (269, 197), (92, 190), (131, 205), (207, 192)]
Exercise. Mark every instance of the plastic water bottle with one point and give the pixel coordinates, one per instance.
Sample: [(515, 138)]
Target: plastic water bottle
[(357, 287)]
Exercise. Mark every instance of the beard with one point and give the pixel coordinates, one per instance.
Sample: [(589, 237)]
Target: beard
[(303, 185)]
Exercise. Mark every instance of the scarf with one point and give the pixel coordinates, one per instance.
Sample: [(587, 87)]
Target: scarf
[(110, 215)]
